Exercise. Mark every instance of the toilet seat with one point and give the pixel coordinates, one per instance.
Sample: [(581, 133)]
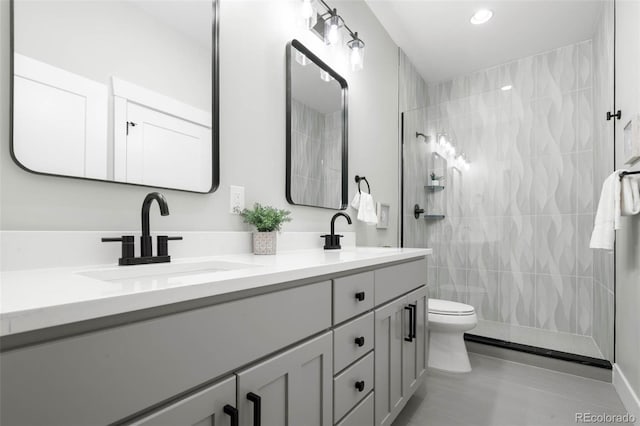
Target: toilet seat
[(447, 307)]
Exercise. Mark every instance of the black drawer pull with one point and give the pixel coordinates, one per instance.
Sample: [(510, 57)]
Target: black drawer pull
[(409, 338), (360, 385), (360, 296), (233, 413), (257, 407), (360, 341), (415, 320)]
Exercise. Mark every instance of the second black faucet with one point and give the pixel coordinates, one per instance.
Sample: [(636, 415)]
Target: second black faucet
[(332, 241)]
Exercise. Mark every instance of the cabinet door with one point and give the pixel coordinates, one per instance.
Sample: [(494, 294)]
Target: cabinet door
[(390, 332), (414, 359), (293, 388), (213, 406)]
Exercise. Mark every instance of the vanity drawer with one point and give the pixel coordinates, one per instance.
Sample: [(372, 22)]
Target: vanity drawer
[(393, 281), (345, 348), (345, 393), (139, 365), (352, 295), (362, 415)]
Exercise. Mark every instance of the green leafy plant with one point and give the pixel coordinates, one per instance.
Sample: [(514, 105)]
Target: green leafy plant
[(265, 218)]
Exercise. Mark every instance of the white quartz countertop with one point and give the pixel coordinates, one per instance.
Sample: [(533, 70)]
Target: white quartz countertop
[(39, 298)]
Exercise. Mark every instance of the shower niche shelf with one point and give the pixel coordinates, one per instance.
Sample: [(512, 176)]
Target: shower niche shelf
[(434, 188), (433, 216)]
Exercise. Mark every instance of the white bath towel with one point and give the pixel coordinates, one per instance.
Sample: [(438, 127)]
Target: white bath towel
[(630, 198), (355, 203), (367, 209), (608, 214)]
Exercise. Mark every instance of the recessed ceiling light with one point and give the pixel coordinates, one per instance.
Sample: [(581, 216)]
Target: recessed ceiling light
[(481, 16), (507, 87)]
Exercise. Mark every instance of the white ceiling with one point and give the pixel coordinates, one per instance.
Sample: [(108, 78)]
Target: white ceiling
[(440, 41)]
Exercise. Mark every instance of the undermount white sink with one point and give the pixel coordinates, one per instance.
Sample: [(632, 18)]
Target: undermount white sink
[(162, 270)]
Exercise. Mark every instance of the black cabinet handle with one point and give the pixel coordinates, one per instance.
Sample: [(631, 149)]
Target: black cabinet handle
[(414, 312), (359, 341), (410, 337), (233, 413), (360, 385), (360, 296), (257, 407)]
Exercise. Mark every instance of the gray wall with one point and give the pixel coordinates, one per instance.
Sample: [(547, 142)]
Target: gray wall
[(628, 238), (252, 139)]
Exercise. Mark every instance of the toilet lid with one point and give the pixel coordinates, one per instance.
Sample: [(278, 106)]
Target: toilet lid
[(447, 307)]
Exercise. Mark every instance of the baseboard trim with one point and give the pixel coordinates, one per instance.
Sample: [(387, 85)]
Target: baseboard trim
[(549, 363), (626, 393)]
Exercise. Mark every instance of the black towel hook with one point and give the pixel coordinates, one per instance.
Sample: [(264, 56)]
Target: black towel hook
[(360, 179)]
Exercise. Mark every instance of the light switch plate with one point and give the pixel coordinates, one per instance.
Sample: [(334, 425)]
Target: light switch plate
[(236, 199)]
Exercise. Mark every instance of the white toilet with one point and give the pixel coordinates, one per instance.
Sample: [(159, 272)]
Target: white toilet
[(448, 321)]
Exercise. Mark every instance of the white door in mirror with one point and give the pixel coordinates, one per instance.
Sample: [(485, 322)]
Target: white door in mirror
[(167, 151), (60, 120)]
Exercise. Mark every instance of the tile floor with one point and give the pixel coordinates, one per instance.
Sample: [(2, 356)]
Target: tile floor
[(504, 393)]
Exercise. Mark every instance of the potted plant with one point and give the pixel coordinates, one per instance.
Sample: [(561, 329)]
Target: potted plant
[(268, 221), (435, 180)]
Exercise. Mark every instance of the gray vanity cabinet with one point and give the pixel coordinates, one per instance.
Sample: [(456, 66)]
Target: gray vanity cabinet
[(293, 388), (213, 406), (400, 348)]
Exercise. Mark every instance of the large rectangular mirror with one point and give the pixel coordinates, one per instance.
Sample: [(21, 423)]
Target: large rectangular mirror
[(117, 90), (316, 131)]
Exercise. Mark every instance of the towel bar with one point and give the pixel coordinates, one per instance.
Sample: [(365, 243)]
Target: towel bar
[(623, 174)]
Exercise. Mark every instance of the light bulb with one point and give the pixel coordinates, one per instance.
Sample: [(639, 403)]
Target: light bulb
[(325, 76), (333, 34), (332, 28), (302, 59), (357, 53)]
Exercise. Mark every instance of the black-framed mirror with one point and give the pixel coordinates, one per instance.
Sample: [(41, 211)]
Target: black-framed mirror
[(121, 91), (317, 128)]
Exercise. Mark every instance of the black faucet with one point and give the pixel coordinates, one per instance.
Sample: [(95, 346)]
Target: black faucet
[(332, 241), (145, 240), (146, 246)]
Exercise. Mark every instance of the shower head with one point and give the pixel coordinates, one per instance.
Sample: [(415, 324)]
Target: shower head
[(426, 138)]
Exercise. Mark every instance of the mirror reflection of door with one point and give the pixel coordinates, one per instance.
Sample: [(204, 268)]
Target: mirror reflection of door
[(85, 70)]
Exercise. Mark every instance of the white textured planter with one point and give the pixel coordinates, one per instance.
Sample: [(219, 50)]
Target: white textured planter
[(265, 242)]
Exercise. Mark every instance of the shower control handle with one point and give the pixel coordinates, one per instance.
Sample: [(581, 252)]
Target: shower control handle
[(417, 211)]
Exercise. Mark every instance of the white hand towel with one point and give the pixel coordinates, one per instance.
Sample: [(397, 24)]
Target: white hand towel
[(630, 199), (608, 214), (367, 210), (355, 203)]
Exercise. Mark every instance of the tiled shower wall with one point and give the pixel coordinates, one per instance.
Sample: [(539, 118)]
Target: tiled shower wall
[(316, 156), (514, 243), (603, 261)]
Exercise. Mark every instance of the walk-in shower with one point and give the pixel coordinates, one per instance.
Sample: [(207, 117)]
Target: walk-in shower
[(507, 163)]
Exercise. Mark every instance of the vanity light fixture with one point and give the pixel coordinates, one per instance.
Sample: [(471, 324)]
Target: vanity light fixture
[(325, 76), (481, 16), (328, 26), (357, 52), (506, 87), (302, 59), (332, 27)]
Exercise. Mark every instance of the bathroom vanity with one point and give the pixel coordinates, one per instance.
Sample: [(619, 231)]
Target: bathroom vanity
[(300, 338)]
